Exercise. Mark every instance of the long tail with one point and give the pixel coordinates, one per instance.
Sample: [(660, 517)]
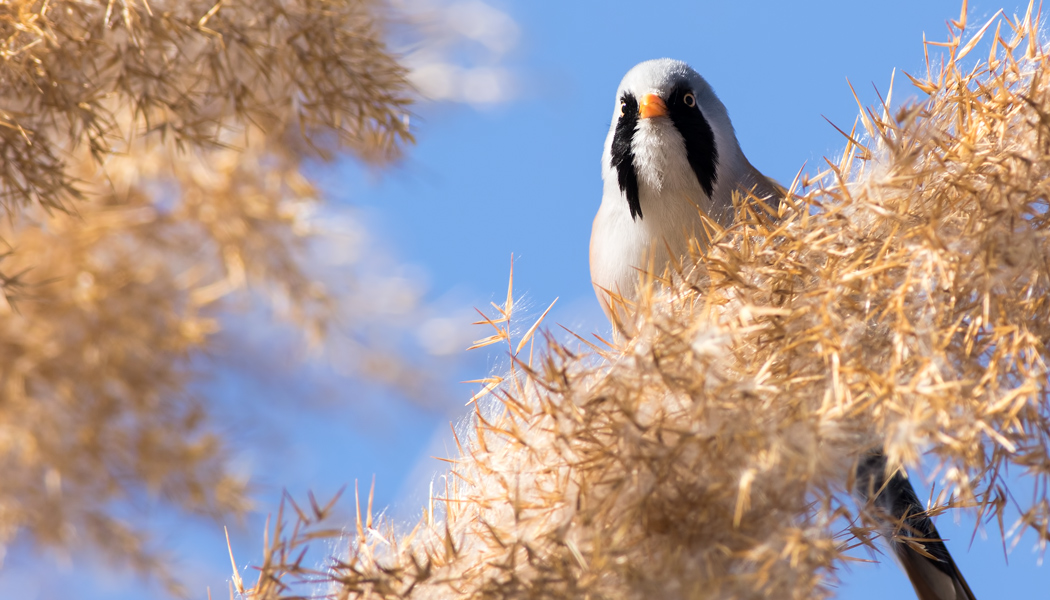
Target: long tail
[(910, 532)]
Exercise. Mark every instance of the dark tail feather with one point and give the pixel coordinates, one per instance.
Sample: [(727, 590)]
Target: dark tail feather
[(910, 532)]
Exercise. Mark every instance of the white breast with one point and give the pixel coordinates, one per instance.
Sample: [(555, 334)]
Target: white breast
[(671, 200)]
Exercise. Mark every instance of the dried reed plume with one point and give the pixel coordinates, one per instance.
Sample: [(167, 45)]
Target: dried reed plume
[(152, 159), (903, 302)]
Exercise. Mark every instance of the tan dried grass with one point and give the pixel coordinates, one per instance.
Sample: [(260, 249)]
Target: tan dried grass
[(903, 302), (151, 158)]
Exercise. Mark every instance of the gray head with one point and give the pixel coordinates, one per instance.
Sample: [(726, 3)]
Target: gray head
[(664, 110)]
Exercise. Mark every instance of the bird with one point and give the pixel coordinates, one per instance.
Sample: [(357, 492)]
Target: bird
[(671, 159), (670, 167)]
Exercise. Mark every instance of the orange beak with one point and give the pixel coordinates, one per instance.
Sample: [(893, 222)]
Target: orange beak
[(652, 106)]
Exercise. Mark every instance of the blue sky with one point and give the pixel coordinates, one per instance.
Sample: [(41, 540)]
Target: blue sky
[(522, 177)]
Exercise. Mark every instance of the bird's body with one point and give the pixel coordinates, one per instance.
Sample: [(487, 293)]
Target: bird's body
[(671, 160)]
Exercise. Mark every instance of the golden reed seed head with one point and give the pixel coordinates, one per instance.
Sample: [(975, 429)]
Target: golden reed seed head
[(903, 300)]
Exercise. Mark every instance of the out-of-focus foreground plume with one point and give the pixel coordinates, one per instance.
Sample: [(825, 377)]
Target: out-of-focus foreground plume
[(151, 173), (901, 302)]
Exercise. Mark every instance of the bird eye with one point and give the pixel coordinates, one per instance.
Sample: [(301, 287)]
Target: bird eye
[(690, 100), (623, 107)]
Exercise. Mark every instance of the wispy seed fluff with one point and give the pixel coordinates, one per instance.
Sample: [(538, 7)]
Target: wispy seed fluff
[(902, 300)]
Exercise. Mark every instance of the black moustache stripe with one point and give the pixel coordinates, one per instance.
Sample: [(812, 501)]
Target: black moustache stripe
[(623, 155), (699, 138)]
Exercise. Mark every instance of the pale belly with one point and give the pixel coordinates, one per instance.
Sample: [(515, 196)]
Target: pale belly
[(624, 250)]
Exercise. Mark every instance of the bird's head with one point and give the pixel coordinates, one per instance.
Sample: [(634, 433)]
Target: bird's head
[(670, 133)]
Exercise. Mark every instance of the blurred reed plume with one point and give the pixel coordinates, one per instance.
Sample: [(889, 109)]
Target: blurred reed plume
[(903, 302), (152, 172)]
